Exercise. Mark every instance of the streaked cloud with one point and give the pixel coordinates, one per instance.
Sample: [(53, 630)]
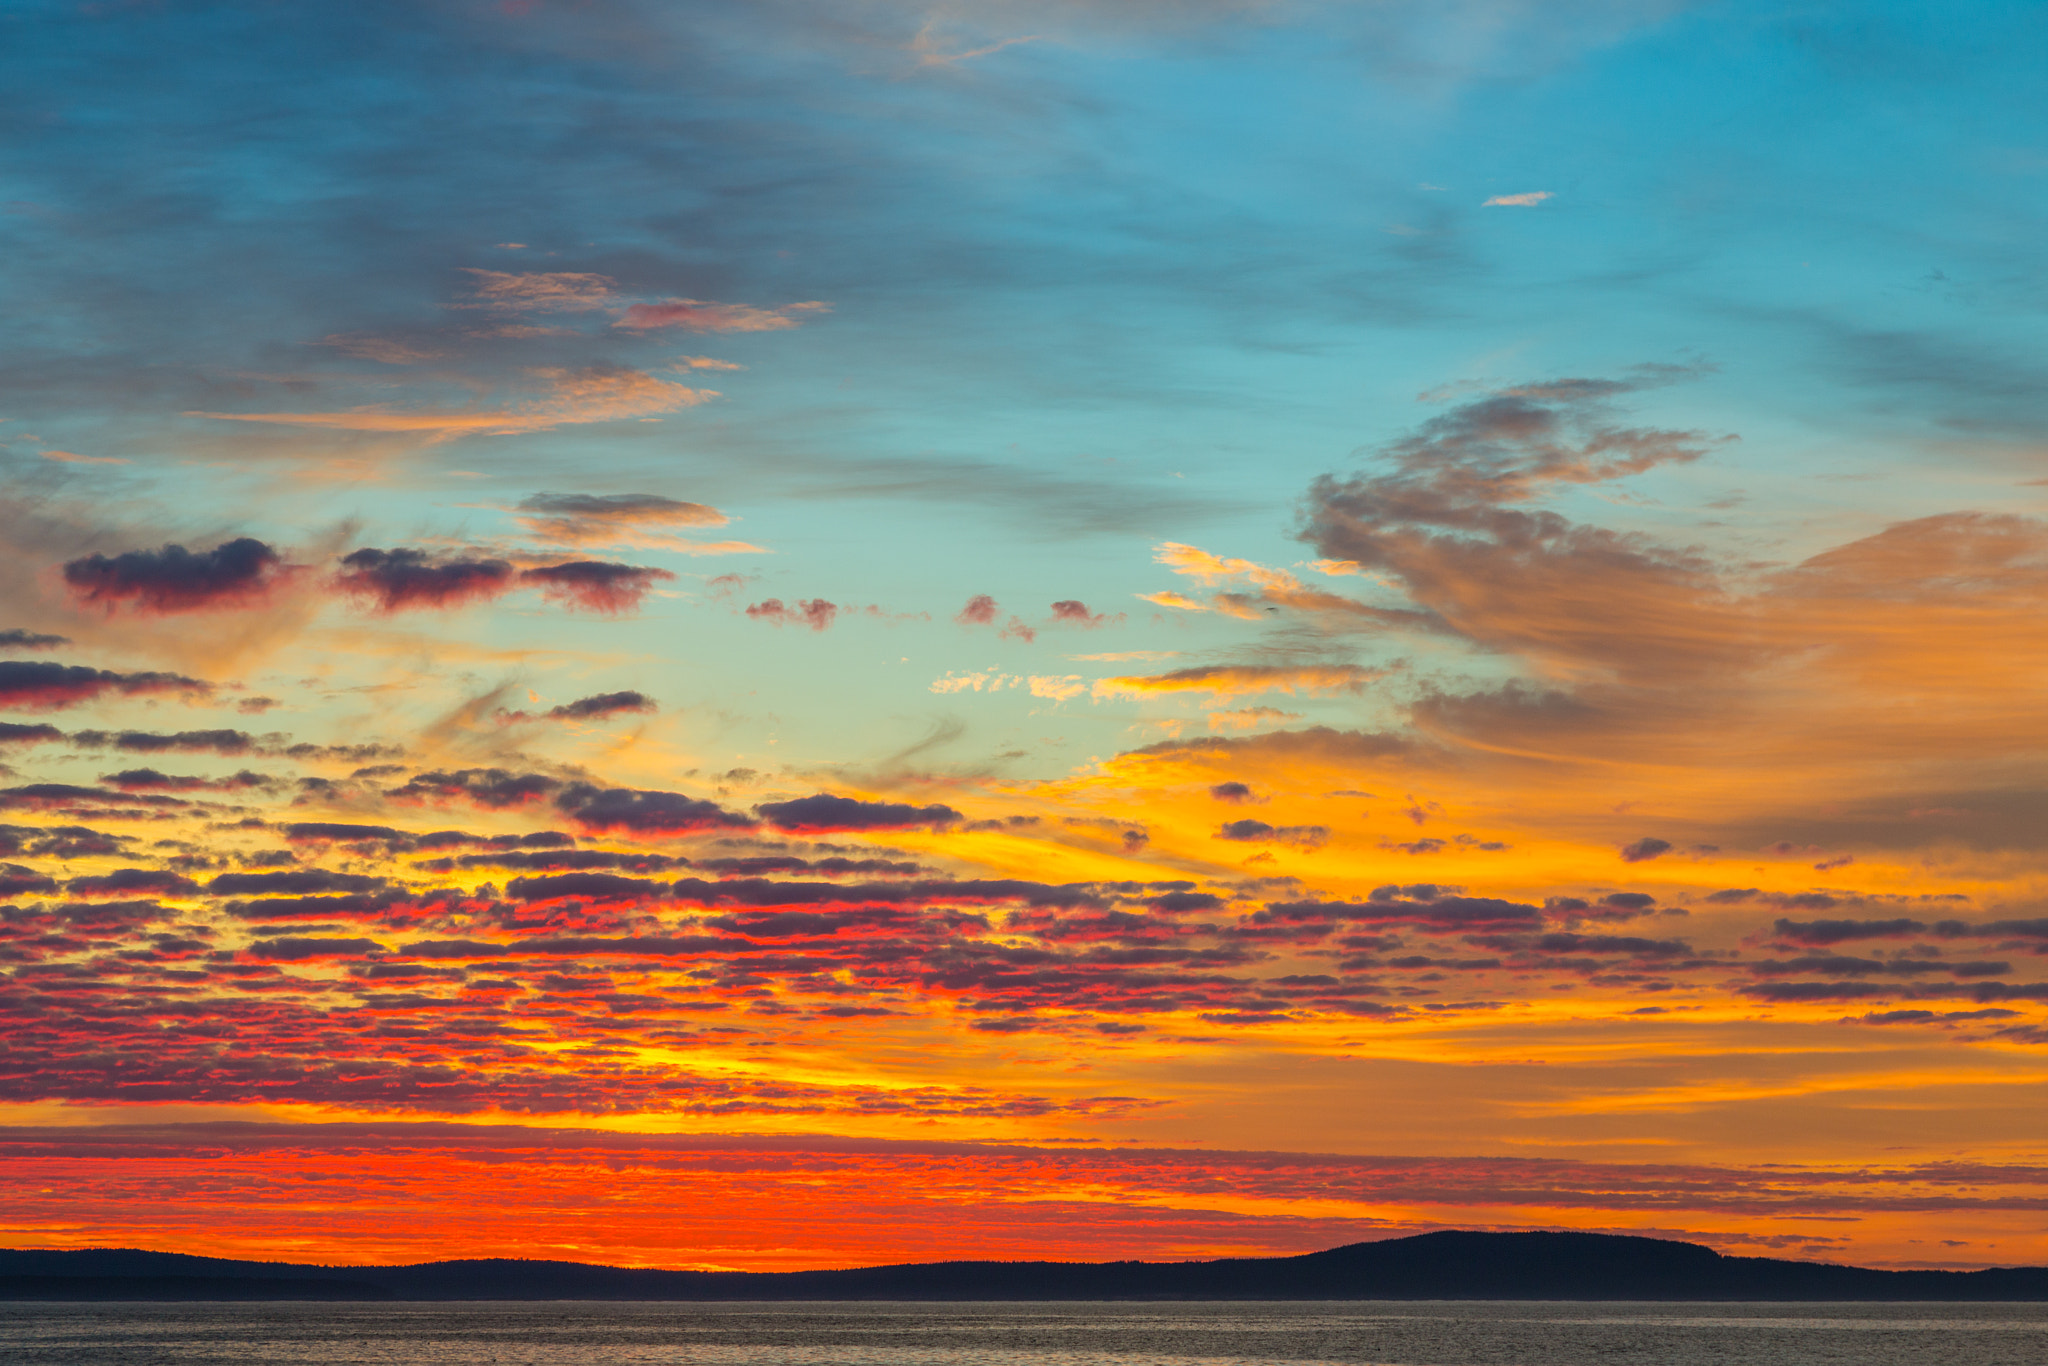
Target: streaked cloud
[(74, 458), (577, 519), (1226, 682), (592, 394), (40, 686), (699, 315)]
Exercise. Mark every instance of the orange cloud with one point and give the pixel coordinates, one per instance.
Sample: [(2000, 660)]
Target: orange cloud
[(1224, 682), (593, 394), (1251, 718), (74, 458), (1273, 589), (548, 291), (1058, 688), (591, 519)]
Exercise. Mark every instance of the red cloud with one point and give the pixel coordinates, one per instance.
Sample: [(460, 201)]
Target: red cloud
[(595, 586), (1073, 613), (981, 610), (815, 613)]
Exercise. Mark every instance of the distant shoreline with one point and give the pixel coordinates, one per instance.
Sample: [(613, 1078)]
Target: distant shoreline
[(1537, 1266)]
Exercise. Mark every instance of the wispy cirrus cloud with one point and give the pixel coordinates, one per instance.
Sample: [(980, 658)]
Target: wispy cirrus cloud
[(1268, 590), (931, 49), (642, 520), (74, 458), (384, 350), (1226, 682), (700, 315), (596, 393), (587, 292), (584, 518), (1251, 718)]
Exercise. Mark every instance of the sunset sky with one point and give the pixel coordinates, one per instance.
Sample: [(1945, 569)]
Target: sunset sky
[(821, 632)]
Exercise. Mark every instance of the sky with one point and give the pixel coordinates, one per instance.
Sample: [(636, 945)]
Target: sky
[(812, 634)]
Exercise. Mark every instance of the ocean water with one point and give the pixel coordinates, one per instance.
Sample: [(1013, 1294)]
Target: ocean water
[(1379, 1333)]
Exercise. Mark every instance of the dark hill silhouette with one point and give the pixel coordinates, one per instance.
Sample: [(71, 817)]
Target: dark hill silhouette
[(1451, 1265)]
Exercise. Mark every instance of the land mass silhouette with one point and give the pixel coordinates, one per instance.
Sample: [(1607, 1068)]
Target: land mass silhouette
[(1449, 1266)]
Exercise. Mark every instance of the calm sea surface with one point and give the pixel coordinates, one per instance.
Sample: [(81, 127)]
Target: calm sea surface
[(1385, 1334)]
